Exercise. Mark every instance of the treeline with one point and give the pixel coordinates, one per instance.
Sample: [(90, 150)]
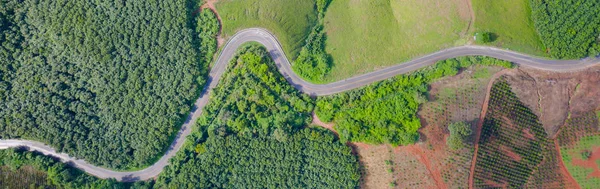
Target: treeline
[(252, 135), (570, 29), (313, 63), (106, 81), (386, 112)]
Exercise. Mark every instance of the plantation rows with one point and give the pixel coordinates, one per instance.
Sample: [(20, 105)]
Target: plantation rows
[(511, 143), (581, 136)]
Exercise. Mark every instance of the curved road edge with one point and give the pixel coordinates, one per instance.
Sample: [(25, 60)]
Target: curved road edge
[(274, 48)]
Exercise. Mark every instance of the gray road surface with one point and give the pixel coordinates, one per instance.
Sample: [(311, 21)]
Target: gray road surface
[(272, 45)]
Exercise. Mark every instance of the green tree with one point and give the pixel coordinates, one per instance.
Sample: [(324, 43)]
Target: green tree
[(459, 134)]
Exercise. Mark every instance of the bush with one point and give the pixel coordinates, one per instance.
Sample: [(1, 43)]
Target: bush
[(459, 134)]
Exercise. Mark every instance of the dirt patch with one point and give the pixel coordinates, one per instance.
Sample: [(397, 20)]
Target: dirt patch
[(591, 163), (318, 122), (375, 169), (528, 134), (510, 154), (555, 96)]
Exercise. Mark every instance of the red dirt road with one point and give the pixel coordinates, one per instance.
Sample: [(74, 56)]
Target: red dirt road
[(480, 123), (435, 173)]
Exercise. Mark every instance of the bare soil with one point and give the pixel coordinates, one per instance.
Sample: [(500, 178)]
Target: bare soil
[(567, 177), (318, 122), (510, 154), (555, 96)]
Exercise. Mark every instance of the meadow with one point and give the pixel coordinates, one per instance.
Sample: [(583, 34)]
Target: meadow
[(366, 35), (290, 20), (510, 23)]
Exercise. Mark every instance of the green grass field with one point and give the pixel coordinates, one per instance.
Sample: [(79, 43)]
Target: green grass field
[(579, 173), (364, 35), (511, 23), (290, 20)]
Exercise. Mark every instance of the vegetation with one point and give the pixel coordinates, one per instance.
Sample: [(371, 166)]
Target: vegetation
[(105, 81), (255, 123), (511, 24), (512, 141), (207, 29), (582, 151), (314, 63), (56, 174), (385, 112), (483, 37), (366, 35), (460, 132), (290, 20), (568, 28)]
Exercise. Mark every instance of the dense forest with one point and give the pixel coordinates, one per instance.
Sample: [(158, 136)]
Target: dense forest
[(570, 29), (313, 63), (255, 123), (107, 81), (386, 112)]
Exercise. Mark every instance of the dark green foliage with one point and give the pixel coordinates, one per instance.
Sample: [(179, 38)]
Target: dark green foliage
[(253, 97), (313, 63), (504, 133), (107, 81), (459, 134), (251, 135), (310, 158), (58, 174), (385, 112), (586, 154), (570, 29)]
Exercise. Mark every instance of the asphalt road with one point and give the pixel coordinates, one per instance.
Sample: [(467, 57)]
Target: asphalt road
[(272, 45)]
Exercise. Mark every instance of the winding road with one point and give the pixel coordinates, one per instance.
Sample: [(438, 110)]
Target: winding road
[(272, 45)]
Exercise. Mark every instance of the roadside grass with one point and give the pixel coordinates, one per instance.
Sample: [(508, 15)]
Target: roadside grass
[(365, 35), (290, 20), (511, 24), (579, 173)]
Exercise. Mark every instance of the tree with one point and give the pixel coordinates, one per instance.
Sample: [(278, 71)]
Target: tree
[(459, 134)]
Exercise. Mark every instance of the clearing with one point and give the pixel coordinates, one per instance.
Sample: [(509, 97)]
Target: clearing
[(365, 35), (579, 142), (511, 25), (289, 20), (23, 177)]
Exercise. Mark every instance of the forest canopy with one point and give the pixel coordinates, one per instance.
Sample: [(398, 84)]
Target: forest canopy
[(106, 81), (256, 123), (570, 29)]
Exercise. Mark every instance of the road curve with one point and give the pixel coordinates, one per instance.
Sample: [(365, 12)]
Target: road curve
[(274, 48)]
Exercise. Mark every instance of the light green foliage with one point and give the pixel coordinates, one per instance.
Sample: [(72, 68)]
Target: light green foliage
[(581, 174), (207, 29), (369, 34), (290, 20), (459, 134), (568, 28), (385, 112), (511, 24), (253, 98), (598, 115), (483, 37), (58, 174), (107, 81), (255, 124), (314, 63)]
